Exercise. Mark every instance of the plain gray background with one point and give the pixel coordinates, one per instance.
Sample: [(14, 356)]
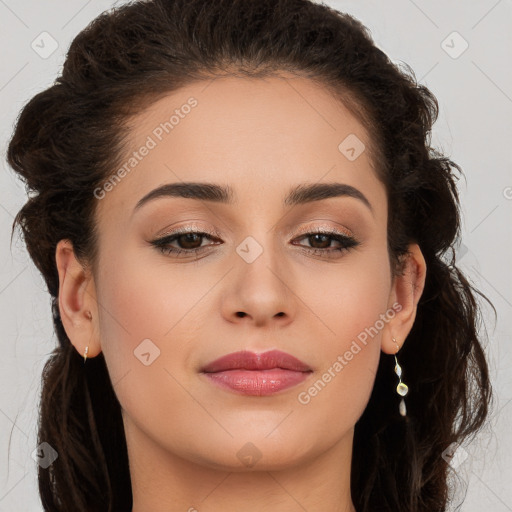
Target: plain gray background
[(474, 89)]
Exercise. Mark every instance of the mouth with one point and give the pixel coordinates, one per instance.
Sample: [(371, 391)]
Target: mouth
[(263, 374)]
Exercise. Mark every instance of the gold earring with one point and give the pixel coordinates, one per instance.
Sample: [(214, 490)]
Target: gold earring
[(402, 389), (85, 353)]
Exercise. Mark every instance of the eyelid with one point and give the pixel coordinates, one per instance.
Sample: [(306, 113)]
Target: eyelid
[(341, 235), (189, 228), (327, 229)]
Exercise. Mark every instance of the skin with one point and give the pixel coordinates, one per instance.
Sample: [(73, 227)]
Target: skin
[(260, 137)]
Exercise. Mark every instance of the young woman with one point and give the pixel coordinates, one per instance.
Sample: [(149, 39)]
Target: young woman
[(247, 239)]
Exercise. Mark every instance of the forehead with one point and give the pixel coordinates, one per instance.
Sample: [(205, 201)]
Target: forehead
[(259, 135)]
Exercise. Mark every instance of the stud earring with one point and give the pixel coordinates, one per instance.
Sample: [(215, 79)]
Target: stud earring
[(85, 353), (402, 389)]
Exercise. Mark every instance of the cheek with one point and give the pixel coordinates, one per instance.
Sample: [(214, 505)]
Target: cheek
[(149, 315), (137, 309), (143, 329), (348, 298), (351, 306), (144, 296)]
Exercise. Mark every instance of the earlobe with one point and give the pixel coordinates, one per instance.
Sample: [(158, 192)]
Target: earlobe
[(77, 300), (406, 291)]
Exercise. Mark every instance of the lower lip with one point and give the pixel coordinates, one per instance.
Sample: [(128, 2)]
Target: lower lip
[(257, 382)]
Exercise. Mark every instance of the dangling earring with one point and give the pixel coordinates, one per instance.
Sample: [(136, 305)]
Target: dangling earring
[(402, 388), (89, 316)]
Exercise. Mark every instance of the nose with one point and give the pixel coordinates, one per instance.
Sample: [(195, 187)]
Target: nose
[(242, 314), (259, 292)]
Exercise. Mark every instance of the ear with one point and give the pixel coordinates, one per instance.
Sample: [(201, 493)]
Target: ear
[(77, 301), (405, 294)]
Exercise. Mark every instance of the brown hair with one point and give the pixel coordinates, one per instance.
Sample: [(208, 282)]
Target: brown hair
[(70, 137)]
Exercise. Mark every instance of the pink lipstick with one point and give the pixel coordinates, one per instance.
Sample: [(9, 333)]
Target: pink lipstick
[(257, 374)]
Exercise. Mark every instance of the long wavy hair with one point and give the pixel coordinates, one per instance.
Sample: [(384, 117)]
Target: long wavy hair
[(69, 139)]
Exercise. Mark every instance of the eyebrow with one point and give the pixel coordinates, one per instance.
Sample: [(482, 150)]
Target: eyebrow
[(301, 194)]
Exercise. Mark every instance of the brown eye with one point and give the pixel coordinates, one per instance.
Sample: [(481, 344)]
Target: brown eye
[(189, 240), (320, 243), (182, 244), (317, 239)]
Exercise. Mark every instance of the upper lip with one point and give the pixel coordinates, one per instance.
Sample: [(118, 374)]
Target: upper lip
[(251, 361)]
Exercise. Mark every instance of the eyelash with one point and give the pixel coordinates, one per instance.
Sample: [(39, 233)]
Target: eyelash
[(347, 242)]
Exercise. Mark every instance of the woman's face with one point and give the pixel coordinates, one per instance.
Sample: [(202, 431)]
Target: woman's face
[(259, 283)]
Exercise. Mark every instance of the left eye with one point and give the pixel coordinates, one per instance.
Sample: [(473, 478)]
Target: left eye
[(345, 242), (191, 242)]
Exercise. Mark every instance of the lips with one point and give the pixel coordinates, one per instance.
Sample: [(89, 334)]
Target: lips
[(250, 361), (264, 374)]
